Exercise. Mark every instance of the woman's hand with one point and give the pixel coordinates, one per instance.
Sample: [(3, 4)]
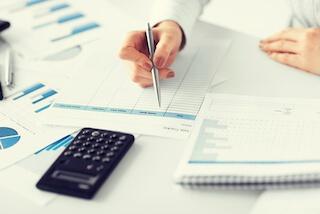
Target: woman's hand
[(299, 48), (168, 38)]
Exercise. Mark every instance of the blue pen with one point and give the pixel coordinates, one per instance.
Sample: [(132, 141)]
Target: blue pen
[(78, 30), (61, 20)]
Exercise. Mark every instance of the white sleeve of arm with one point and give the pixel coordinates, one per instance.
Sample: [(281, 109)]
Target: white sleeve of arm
[(184, 12)]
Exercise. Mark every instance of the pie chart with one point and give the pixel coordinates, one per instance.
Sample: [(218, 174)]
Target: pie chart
[(8, 137)]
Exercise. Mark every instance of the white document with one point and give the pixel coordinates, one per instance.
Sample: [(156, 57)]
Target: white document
[(255, 137), (294, 201), (102, 95), (32, 168), (44, 28), (21, 134)]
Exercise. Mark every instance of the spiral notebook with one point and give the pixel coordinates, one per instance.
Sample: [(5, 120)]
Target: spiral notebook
[(253, 142)]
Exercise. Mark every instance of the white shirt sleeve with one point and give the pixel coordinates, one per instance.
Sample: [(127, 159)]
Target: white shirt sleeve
[(184, 12)]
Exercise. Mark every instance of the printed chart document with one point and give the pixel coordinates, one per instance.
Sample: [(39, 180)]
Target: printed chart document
[(21, 134), (32, 168), (253, 139), (44, 28), (102, 95)]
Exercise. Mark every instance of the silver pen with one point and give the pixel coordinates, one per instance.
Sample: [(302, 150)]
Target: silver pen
[(154, 70), (8, 69)]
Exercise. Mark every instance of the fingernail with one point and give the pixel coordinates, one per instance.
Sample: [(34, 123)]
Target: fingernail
[(170, 74), (159, 62), (147, 66)]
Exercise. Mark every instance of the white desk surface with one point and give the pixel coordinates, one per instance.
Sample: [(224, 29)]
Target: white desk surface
[(142, 183)]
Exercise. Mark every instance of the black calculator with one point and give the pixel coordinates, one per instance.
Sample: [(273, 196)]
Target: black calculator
[(86, 163)]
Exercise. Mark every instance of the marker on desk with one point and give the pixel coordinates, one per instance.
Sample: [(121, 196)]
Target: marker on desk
[(154, 70)]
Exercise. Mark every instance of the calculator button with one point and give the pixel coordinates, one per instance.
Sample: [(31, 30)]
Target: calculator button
[(123, 137), (104, 134), (84, 186), (86, 131), (113, 136), (96, 158), (108, 142), (91, 138), (99, 168), (119, 143), (67, 153), (115, 148), (72, 148), (110, 154), (100, 152), (86, 156), (90, 167), (86, 144), (96, 145), (81, 149), (104, 147), (77, 142), (77, 155), (99, 140), (81, 137), (95, 133), (106, 160), (90, 151)]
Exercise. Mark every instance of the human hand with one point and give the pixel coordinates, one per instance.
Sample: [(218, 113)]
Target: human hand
[(296, 47), (168, 38)]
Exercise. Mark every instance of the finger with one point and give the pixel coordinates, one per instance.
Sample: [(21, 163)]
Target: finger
[(292, 60), (142, 82), (284, 46), (291, 34), (133, 55), (171, 59), (165, 47), (138, 73), (133, 49), (166, 73)]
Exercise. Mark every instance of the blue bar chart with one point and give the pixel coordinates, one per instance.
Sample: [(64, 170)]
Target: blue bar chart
[(61, 20), (61, 143), (78, 30), (55, 25), (51, 9), (38, 95)]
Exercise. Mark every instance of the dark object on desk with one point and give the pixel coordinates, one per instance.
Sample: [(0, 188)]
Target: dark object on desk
[(1, 92), (4, 25), (86, 163)]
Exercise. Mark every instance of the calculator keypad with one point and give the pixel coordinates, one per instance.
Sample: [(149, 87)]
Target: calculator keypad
[(87, 161)]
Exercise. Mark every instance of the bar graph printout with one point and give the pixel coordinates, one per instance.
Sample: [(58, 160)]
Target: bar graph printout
[(45, 27), (237, 129), (104, 96)]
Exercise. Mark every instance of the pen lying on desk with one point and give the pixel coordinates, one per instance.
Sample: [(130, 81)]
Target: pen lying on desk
[(8, 69), (154, 70)]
